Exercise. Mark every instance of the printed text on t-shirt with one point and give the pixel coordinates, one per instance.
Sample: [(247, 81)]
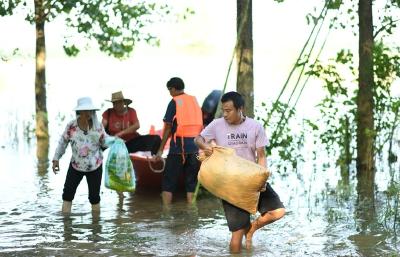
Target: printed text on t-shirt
[(237, 138)]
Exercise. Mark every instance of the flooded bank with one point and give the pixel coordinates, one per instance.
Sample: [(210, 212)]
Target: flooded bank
[(323, 218), (31, 223)]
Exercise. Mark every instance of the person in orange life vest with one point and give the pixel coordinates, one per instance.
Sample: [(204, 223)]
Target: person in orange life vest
[(122, 121), (183, 122)]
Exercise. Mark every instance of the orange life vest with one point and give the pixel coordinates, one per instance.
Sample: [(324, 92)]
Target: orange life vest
[(188, 116)]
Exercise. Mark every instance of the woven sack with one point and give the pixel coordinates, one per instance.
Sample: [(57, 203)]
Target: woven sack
[(232, 178)]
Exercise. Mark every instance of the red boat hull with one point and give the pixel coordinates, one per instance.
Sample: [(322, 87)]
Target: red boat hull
[(145, 177)]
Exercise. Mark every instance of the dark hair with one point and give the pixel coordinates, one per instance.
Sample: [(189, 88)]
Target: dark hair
[(176, 83), (235, 97), (79, 112)]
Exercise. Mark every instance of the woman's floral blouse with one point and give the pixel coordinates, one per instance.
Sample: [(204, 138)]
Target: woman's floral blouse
[(87, 153)]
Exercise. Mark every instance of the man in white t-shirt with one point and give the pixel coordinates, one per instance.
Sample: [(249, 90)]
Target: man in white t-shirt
[(248, 138)]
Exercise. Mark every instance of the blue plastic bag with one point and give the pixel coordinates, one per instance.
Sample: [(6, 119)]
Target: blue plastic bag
[(119, 174)]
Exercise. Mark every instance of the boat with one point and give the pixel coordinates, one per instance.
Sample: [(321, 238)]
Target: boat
[(148, 173)]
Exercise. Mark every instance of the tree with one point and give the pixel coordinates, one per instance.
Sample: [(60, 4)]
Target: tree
[(368, 101), (365, 102), (115, 25), (244, 54)]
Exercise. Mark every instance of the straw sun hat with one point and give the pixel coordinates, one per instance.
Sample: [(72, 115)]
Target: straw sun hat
[(85, 104), (118, 96)]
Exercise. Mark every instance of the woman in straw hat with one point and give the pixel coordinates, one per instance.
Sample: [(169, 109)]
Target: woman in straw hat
[(87, 137), (122, 121)]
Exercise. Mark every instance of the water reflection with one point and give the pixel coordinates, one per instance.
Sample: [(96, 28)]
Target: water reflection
[(91, 228), (68, 229), (42, 154), (318, 223), (371, 239)]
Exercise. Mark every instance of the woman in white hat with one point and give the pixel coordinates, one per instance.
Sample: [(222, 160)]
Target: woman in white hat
[(87, 137)]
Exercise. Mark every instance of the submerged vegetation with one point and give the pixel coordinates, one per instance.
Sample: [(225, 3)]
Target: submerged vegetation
[(330, 139)]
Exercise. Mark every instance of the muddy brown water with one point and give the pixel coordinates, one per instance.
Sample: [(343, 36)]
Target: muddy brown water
[(137, 224)]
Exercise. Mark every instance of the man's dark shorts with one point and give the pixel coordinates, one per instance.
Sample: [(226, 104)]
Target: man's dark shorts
[(238, 218), (175, 166)]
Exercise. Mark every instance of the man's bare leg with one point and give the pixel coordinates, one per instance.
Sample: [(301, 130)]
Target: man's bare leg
[(189, 197), (66, 207), (166, 197), (236, 240), (261, 221)]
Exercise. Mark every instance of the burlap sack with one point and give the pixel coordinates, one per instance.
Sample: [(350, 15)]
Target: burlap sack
[(232, 178)]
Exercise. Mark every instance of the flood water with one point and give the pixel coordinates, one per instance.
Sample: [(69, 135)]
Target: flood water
[(31, 223), (321, 220)]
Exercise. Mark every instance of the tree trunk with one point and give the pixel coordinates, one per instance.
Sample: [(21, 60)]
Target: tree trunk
[(42, 130), (365, 104), (345, 158), (244, 54)]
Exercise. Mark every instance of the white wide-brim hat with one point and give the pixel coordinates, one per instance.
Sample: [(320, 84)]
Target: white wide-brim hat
[(85, 104)]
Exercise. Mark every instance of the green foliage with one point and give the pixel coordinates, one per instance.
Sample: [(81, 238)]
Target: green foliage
[(71, 50), (5, 57), (337, 111), (386, 65), (386, 70), (284, 141), (335, 129), (334, 4), (29, 129), (395, 3), (347, 16), (116, 25), (334, 215), (7, 7), (390, 216), (338, 108)]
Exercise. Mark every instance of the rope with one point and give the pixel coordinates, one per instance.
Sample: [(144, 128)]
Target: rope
[(283, 115), (283, 118), (319, 53), (324, 9), (156, 170)]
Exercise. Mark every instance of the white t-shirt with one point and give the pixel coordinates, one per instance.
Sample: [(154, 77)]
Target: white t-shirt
[(245, 138)]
